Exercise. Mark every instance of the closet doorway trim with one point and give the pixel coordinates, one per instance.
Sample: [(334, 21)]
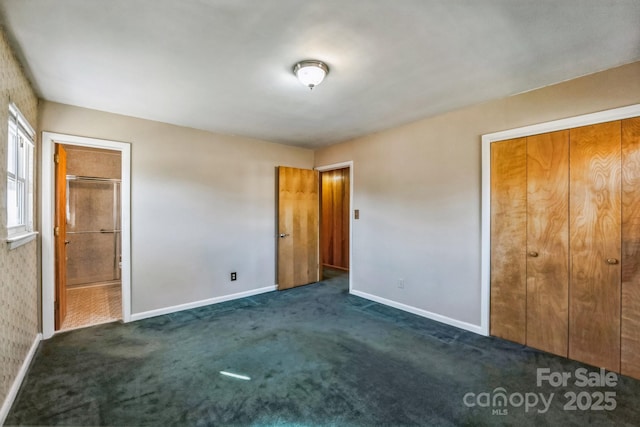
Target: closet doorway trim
[(487, 140)]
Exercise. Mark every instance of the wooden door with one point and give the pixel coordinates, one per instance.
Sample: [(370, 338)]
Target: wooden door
[(509, 239), (548, 242), (630, 321), (60, 235), (334, 213), (595, 228), (298, 227)]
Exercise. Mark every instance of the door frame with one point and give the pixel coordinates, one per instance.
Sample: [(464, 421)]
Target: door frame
[(47, 194), (326, 168), (487, 139)]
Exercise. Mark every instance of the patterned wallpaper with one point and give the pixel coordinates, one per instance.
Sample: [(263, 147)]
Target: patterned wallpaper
[(19, 286)]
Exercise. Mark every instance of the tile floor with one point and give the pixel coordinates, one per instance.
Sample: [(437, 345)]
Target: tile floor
[(92, 305)]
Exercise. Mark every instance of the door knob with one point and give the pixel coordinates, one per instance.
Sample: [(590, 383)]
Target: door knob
[(612, 261), (533, 254), (66, 242), (283, 235)]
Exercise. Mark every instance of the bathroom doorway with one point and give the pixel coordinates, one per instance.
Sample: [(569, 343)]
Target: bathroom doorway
[(88, 234)]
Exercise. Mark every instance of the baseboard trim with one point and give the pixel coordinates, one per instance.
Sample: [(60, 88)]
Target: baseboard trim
[(420, 312), (17, 382), (201, 303)]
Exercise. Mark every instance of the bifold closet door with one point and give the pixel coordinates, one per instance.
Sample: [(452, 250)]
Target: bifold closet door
[(509, 239), (630, 334), (595, 240), (548, 242)]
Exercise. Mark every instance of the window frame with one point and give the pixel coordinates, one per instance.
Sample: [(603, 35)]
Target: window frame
[(21, 140)]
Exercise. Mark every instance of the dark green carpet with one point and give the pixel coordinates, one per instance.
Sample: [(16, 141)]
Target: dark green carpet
[(316, 356)]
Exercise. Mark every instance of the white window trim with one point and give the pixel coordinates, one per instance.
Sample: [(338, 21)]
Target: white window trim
[(21, 239), (23, 234)]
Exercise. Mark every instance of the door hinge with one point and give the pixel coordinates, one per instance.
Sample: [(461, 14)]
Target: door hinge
[(56, 306), (56, 231), (56, 158)]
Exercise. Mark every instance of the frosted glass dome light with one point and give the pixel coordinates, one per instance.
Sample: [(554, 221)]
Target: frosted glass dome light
[(310, 73)]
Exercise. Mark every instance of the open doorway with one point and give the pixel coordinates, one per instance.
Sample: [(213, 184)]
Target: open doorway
[(88, 236), (117, 267), (335, 223), (314, 227)]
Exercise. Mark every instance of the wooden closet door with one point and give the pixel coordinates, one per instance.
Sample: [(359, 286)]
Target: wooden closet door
[(548, 242), (509, 239), (630, 333), (595, 227)]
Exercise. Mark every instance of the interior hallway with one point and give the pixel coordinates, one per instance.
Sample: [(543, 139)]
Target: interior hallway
[(315, 355)]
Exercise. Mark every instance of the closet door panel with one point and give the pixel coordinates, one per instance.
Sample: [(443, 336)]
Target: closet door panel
[(595, 229), (548, 242), (508, 239), (630, 333)]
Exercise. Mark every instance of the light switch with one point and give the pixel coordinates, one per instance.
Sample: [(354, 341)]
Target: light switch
[(356, 214)]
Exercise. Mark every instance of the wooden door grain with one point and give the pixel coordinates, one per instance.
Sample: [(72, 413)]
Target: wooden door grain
[(630, 320), (335, 218), (548, 242), (60, 235), (508, 239), (298, 227), (595, 216)]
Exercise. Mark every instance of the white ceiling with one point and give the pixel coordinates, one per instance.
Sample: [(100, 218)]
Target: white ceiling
[(225, 65)]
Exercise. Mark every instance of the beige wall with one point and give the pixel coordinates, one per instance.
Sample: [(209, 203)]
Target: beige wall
[(418, 190), (203, 205), (18, 267)]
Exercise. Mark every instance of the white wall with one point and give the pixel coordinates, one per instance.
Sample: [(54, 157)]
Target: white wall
[(418, 189), (203, 205)]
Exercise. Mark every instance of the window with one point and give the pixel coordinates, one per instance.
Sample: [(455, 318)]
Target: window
[(19, 175)]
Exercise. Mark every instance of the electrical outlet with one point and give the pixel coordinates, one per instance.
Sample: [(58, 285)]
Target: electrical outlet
[(234, 276), (401, 283)]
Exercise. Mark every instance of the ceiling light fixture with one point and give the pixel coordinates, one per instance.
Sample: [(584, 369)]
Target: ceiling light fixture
[(311, 72)]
